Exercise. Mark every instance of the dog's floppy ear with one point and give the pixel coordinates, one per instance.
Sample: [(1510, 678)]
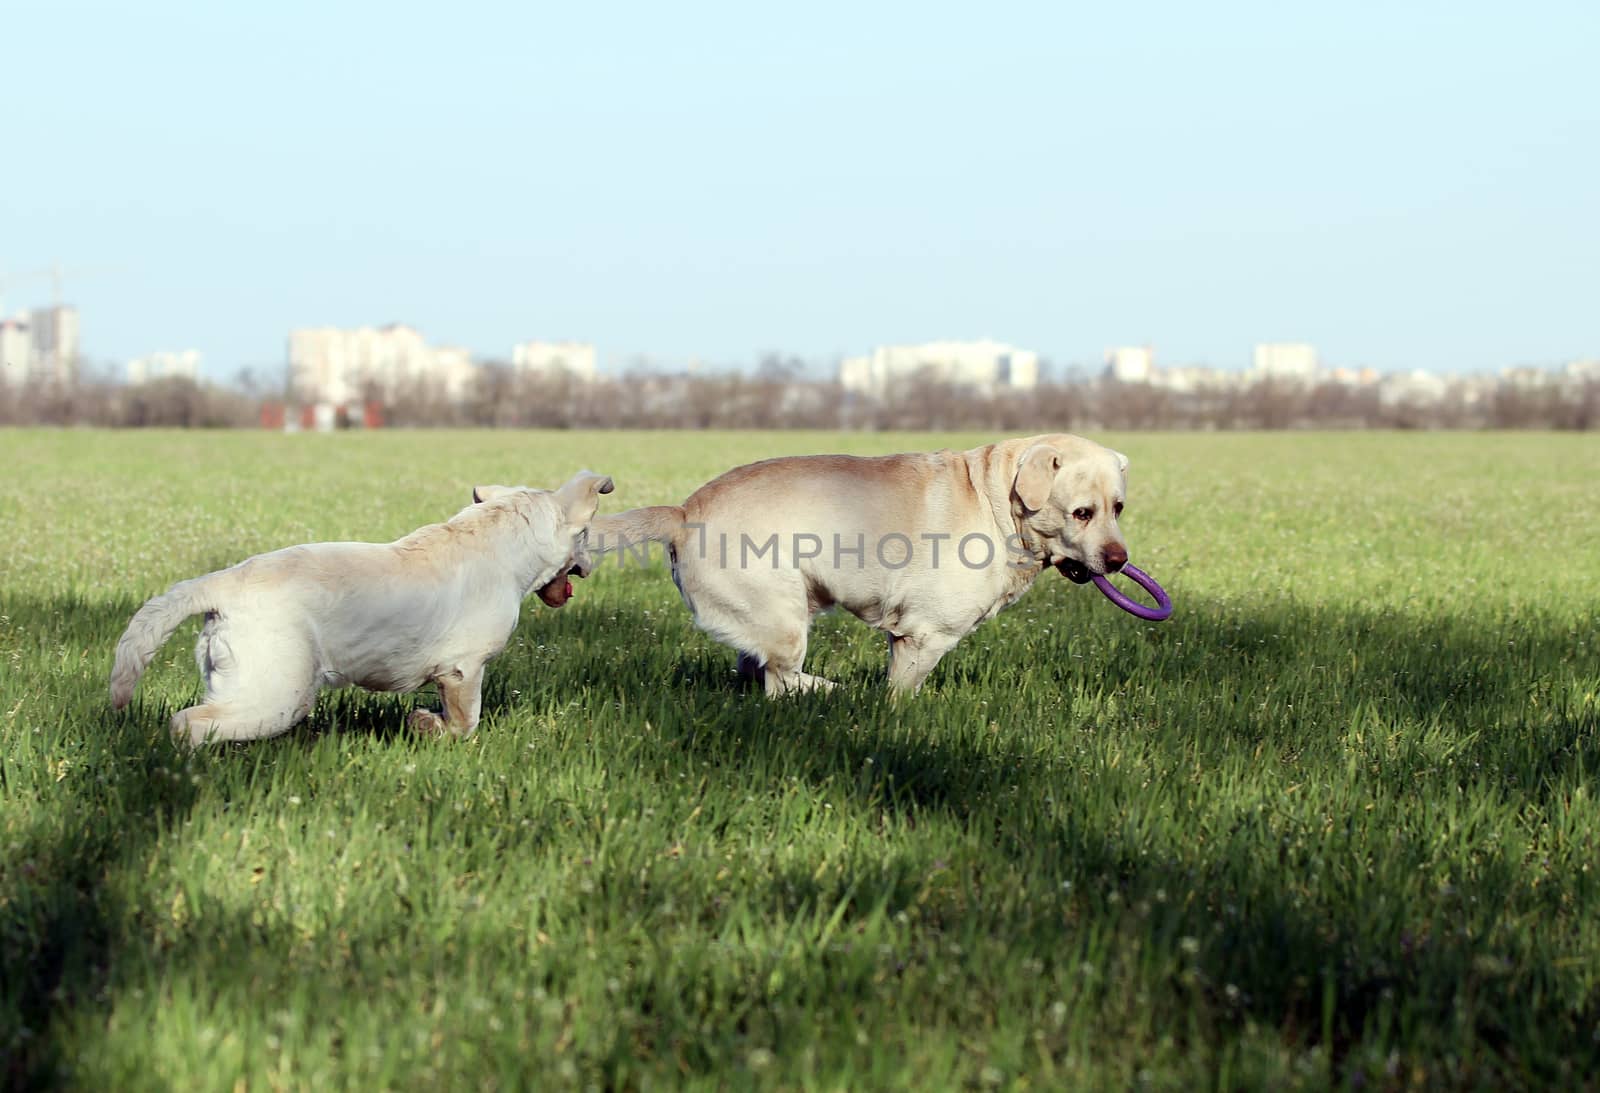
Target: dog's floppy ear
[(1122, 461), (480, 494), (1036, 474), (580, 497)]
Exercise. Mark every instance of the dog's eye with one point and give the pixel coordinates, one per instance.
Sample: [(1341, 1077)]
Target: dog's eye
[(1083, 515), (1117, 508)]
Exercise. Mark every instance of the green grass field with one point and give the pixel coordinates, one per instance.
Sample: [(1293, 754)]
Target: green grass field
[(1333, 824)]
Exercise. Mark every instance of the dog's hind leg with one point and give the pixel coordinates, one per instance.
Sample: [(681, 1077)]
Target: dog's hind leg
[(461, 692), (238, 707), (782, 651), (750, 670), (209, 723), (753, 672), (763, 613)]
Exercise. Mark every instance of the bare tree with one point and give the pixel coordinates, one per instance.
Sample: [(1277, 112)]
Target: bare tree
[(778, 394)]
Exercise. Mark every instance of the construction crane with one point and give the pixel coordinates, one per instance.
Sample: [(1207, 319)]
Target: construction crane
[(57, 275), (9, 279)]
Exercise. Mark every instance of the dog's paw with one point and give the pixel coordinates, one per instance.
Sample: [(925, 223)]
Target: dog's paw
[(425, 723), (798, 684)]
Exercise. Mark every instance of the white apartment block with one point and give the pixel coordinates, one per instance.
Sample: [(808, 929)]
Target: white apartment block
[(985, 365), (1190, 378), (331, 365), (40, 347), (163, 366), (1286, 360), (54, 331), (1583, 371), (1131, 364), (16, 352), (577, 359), (454, 371), (1415, 388), (1527, 378), (1355, 377)]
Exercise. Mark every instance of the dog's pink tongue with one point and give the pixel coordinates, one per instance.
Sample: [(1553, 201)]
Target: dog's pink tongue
[(568, 594)]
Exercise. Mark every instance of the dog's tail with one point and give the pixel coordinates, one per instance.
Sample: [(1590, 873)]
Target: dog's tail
[(151, 626), (621, 530)]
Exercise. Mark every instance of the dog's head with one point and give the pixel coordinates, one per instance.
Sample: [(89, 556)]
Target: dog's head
[(574, 505), (1070, 492)]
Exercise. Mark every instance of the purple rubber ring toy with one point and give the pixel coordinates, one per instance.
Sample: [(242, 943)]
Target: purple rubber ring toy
[(1160, 611)]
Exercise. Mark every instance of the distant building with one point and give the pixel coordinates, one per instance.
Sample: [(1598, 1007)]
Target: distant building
[(165, 365), (1131, 364), (1193, 378), (40, 348), (343, 367), (1416, 388), (982, 365), (855, 374), (1583, 371), (16, 352), (577, 359), (1475, 390), (453, 371), (1136, 364), (54, 331), (1354, 377), (1525, 378), (1286, 360)]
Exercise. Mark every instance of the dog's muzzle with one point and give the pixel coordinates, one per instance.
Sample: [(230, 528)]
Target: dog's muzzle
[(582, 563)]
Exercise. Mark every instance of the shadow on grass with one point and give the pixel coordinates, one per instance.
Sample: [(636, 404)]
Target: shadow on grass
[(1273, 938), (57, 916), (1324, 968)]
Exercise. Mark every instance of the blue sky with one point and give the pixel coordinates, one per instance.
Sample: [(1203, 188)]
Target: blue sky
[(1404, 185)]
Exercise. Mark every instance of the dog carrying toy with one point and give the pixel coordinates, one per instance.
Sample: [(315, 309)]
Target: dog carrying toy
[(1163, 607)]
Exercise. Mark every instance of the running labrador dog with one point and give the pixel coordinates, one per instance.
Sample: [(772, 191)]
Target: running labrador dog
[(922, 546), (434, 606)]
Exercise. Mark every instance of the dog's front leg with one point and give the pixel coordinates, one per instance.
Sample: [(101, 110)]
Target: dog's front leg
[(463, 698), (911, 658), (462, 694)]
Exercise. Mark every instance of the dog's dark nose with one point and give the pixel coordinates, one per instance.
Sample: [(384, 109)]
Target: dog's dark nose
[(1114, 556)]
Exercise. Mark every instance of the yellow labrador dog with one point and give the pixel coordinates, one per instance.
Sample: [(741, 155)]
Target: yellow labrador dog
[(922, 546), (433, 606)]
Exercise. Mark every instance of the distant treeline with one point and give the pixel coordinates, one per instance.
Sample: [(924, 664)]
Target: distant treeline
[(775, 398), (167, 402)]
